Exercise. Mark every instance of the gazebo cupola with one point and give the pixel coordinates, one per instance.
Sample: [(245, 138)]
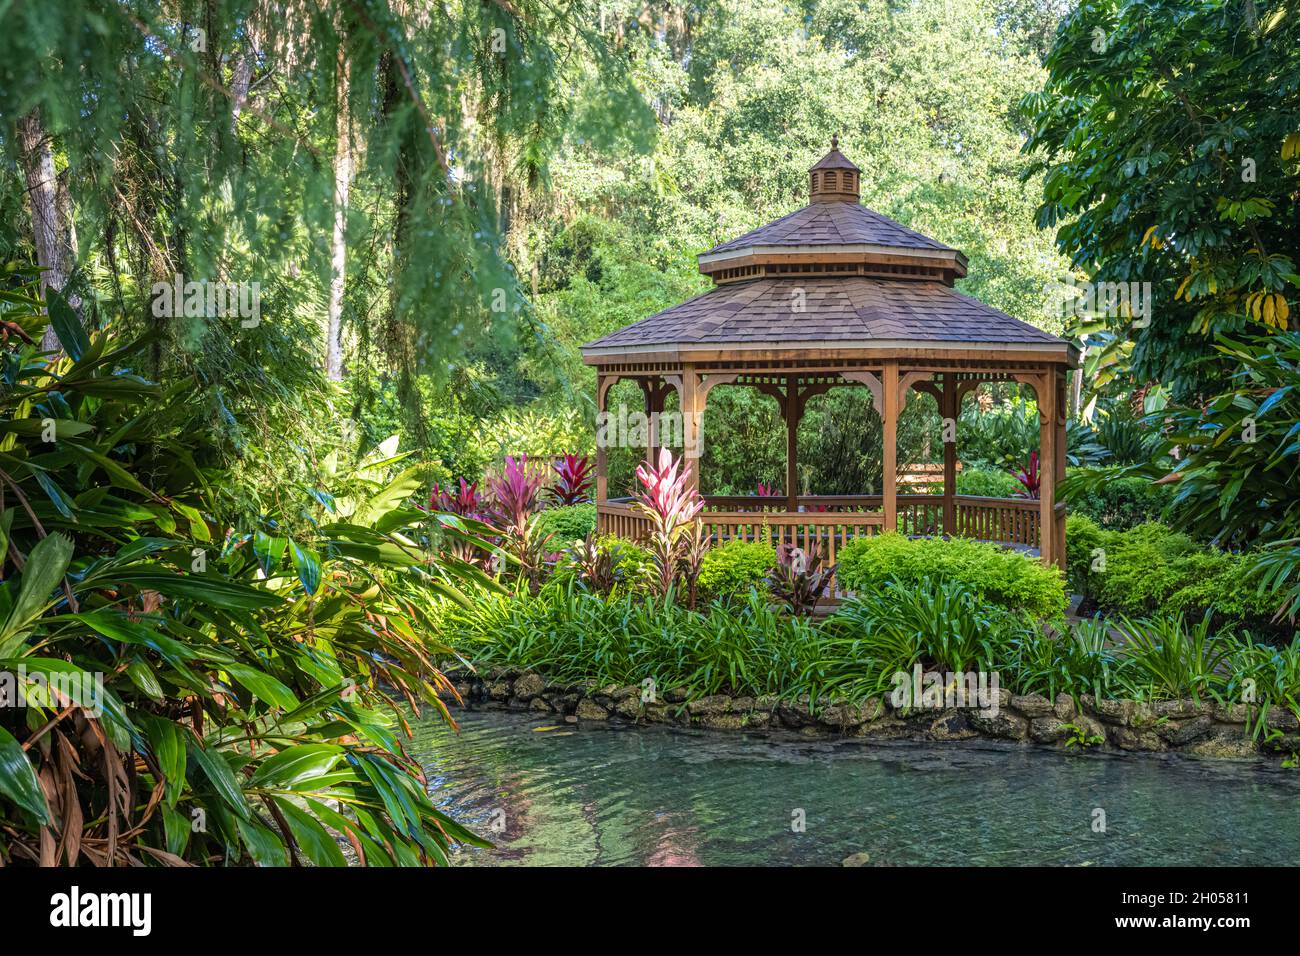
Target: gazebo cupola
[(834, 295), (834, 235), (834, 178)]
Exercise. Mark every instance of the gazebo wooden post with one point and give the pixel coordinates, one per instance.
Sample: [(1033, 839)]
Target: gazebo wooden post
[(948, 412), (654, 391), (602, 457), (889, 482), (791, 443), (692, 423), (1047, 458), (1058, 511)]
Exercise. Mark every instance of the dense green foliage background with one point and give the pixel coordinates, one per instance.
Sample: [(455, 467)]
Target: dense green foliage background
[(440, 204)]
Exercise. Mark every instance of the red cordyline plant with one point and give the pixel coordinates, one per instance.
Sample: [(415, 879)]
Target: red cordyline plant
[(768, 491), (1028, 477), (573, 480), (517, 493), (798, 579), (671, 503), (464, 500)]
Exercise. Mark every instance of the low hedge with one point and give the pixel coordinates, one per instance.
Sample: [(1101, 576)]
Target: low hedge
[(566, 523), (1140, 567), (732, 568), (1153, 568), (986, 483), (1008, 578)]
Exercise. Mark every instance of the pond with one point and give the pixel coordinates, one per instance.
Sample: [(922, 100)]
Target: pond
[(550, 793)]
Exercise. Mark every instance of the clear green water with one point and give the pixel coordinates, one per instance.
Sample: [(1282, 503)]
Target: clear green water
[(617, 795)]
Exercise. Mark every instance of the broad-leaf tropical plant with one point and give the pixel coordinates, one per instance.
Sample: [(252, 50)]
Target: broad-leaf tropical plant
[(191, 697)]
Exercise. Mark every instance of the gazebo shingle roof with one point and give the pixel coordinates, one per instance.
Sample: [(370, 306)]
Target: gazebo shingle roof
[(833, 272), (852, 309), (832, 223)]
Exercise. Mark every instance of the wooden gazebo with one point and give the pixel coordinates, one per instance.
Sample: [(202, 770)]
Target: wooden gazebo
[(836, 295)]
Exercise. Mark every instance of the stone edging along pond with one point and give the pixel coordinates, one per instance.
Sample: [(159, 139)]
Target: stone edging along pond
[(1203, 729)]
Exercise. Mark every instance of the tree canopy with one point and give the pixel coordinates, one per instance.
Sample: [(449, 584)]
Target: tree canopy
[(1168, 137)]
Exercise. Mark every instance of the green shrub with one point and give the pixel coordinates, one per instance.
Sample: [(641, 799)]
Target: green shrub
[(1138, 573), (1009, 578), (1121, 503), (1152, 568), (987, 483), (634, 568), (1219, 580), (567, 523), (731, 569), (1082, 539)]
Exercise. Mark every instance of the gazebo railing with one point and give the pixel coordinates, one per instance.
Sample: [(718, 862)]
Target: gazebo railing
[(807, 503), (831, 521), (1004, 520), (826, 532)]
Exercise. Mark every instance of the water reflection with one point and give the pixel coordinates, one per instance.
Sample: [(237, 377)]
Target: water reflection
[(556, 794)]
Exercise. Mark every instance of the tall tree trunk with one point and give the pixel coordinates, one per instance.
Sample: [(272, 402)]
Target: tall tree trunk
[(1076, 386), (50, 231), (240, 80), (338, 244)]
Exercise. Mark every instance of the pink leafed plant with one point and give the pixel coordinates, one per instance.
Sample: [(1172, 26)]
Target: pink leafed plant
[(1028, 478), (464, 499), (517, 493), (573, 480), (798, 579), (671, 504), (768, 491)]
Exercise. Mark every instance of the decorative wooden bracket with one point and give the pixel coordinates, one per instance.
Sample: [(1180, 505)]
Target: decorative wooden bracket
[(872, 381), (708, 381), (931, 389), (771, 390), (1039, 383), (806, 393), (906, 382), (964, 386), (654, 390), (602, 390)]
